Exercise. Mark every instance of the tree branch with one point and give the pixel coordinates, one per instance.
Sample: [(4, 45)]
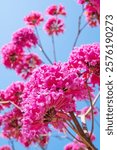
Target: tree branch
[(41, 47), (79, 28), (93, 103), (81, 134), (84, 126), (54, 50), (6, 102)]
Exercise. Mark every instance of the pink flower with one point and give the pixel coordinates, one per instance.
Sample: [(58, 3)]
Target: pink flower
[(12, 128), (56, 10), (27, 64), (3, 99), (25, 38), (5, 147), (96, 5), (14, 91), (87, 59), (11, 55), (49, 109), (68, 146), (92, 14), (73, 146), (34, 19), (39, 136), (92, 11), (81, 1), (11, 123), (54, 26), (57, 78)]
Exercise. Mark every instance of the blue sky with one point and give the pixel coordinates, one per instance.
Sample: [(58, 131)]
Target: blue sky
[(11, 18)]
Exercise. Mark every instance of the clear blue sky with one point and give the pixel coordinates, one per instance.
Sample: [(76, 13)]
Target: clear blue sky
[(11, 18)]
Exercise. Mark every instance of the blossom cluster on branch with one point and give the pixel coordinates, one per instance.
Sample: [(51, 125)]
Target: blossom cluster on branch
[(92, 11), (51, 95)]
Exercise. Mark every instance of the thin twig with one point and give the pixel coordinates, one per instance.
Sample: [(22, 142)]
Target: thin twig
[(73, 128), (72, 124), (72, 135), (12, 144), (15, 105), (93, 103), (6, 102), (41, 47), (42, 147), (39, 40), (79, 28), (92, 114), (84, 26), (54, 50), (61, 137), (96, 121), (44, 53)]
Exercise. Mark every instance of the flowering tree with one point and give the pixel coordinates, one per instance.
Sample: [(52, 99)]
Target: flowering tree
[(51, 92)]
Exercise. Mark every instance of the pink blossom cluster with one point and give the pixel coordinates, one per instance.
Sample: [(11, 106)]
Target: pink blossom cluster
[(13, 92), (52, 91), (87, 59), (11, 121), (12, 126), (55, 10), (5, 147), (11, 95), (49, 95), (28, 63), (75, 145), (55, 25), (33, 19), (92, 11), (24, 38), (11, 55), (2, 99), (14, 55)]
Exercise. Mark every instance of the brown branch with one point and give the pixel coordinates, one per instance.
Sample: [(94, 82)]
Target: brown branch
[(72, 124), (74, 129), (84, 126), (72, 134), (81, 134)]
